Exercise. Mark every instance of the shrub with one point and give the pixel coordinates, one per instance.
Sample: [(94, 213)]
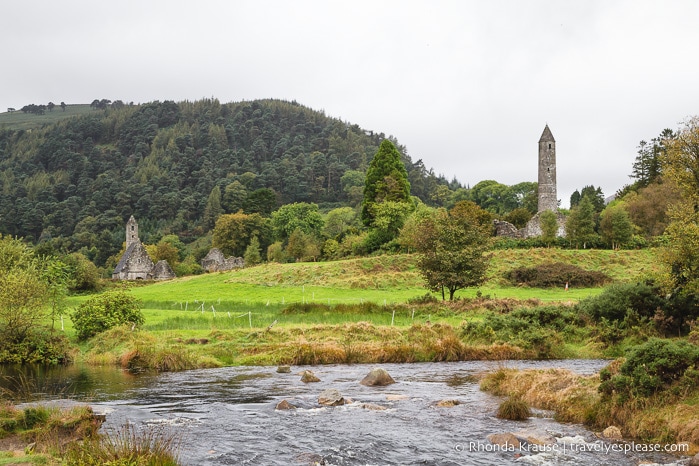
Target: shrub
[(188, 267), (682, 309), (657, 363), (556, 317), (85, 275), (305, 308), (556, 274), (39, 346), (530, 329), (615, 302), (514, 409), (35, 416), (652, 367), (105, 311)]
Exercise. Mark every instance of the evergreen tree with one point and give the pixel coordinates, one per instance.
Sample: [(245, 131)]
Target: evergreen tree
[(647, 168), (595, 195), (213, 208), (549, 227), (574, 198), (386, 180), (580, 226), (252, 252)]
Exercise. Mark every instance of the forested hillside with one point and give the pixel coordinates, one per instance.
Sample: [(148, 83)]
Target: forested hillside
[(75, 182)]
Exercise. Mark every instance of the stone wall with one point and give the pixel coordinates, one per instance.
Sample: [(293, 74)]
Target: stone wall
[(506, 229), (216, 262)]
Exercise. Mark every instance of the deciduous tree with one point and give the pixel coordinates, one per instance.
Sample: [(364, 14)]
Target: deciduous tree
[(233, 232), (338, 221), (453, 249), (681, 164), (299, 215), (615, 226), (648, 206)]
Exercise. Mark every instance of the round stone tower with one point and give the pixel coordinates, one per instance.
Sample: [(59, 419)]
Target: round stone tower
[(132, 232), (548, 198)]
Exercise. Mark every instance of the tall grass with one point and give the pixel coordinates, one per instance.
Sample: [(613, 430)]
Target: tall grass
[(576, 398), (514, 409), (22, 388), (128, 446)]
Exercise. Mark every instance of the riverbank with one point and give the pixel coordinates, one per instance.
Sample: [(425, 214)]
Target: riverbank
[(65, 432), (42, 434), (431, 331), (659, 419)]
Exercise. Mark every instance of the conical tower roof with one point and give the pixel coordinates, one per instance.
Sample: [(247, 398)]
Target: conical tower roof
[(546, 136)]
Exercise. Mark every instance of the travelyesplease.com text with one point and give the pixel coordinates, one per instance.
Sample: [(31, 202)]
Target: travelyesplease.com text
[(598, 447)]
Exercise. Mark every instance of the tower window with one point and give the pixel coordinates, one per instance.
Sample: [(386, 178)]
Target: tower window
[(549, 145), (133, 227)]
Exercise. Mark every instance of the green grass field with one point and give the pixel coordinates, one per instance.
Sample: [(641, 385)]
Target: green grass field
[(257, 295), (23, 121), (382, 279), (362, 310)]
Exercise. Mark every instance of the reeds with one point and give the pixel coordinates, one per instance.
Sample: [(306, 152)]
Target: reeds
[(127, 446)]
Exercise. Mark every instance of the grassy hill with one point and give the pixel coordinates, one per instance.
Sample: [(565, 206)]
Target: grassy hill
[(353, 310), (383, 278), (24, 121)]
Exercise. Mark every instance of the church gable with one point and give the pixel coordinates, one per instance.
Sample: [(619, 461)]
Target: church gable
[(135, 263), (163, 271)]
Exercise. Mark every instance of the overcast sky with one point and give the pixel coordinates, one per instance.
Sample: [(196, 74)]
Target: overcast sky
[(466, 86)]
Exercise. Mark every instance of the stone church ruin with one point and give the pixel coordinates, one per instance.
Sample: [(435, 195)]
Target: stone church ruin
[(135, 263)]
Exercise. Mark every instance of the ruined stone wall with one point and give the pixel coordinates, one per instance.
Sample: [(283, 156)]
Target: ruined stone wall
[(216, 262)]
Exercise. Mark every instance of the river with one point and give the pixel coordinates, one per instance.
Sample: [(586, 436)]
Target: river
[(227, 416)]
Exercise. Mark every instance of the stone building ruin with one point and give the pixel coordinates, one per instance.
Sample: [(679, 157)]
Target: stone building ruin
[(548, 197), (135, 263), (215, 261)]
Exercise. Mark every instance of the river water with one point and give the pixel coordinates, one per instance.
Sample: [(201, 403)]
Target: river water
[(227, 416)]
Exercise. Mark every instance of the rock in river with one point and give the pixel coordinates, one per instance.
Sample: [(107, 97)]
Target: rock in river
[(331, 397), (284, 405), (377, 378), (448, 403), (612, 433), (506, 440), (308, 377)]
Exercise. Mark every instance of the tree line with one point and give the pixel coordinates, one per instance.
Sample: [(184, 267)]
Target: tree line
[(179, 167), (71, 185)]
